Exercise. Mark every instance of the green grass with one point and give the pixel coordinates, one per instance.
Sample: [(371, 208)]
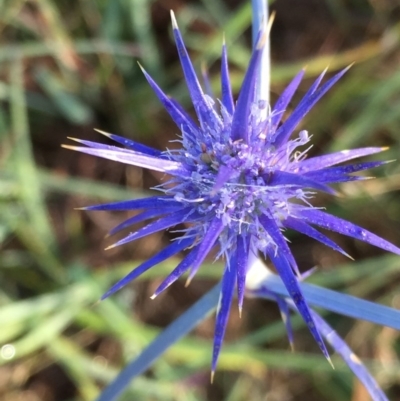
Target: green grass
[(69, 67)]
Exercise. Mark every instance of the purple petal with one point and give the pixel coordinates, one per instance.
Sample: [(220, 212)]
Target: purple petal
[(227, 99), (147, 214), (224, 306), (283, 306), (137, 159), (340, 346), (333, 223), (242, 256), (335, 178), (283, 133), (347, 178), (242, 115), (136, 204), (163, 223), (284, 178), (171, 250), (128, 143), (305, 98), (319, 162), (208, 241), (302, 227), (183, 121), (205, 113), (274, 232), (181, 109), (224, 174), (96, 145), (293, 288), (183, 266), (314, 86), (339, 174), (285, 314), (206, 80), (284, 99)]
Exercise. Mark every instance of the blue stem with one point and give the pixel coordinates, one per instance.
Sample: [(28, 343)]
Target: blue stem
[(260, 20), (336, 302), (176, 330)]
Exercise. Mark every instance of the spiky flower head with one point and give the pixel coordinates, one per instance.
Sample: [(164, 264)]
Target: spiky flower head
[(238, 183)]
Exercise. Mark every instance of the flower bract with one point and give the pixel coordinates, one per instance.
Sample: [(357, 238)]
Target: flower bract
[(240, 180)]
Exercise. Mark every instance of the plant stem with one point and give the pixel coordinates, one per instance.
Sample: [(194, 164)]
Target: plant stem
[(260, 22)]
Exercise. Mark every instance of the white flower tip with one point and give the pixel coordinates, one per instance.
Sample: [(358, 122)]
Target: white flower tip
[(74, 139), (330, 362), (308, 273), (262, 41), (110, 247), (292, 346), (203, 67), (337, 193), (212, 376), (94, 304), (153, 296), (355, 359), (107, 134), (384, 148), (141, 67), (265, 29), (271, 20), (188, 281), (70, 147), (173, 19)]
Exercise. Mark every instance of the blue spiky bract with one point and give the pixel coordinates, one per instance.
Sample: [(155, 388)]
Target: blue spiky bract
[(241, 180)]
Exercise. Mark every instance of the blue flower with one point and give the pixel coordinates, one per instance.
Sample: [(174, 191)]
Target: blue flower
[(238, 183)]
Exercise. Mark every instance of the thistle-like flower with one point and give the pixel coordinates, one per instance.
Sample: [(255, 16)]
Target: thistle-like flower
[(238, 183)]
